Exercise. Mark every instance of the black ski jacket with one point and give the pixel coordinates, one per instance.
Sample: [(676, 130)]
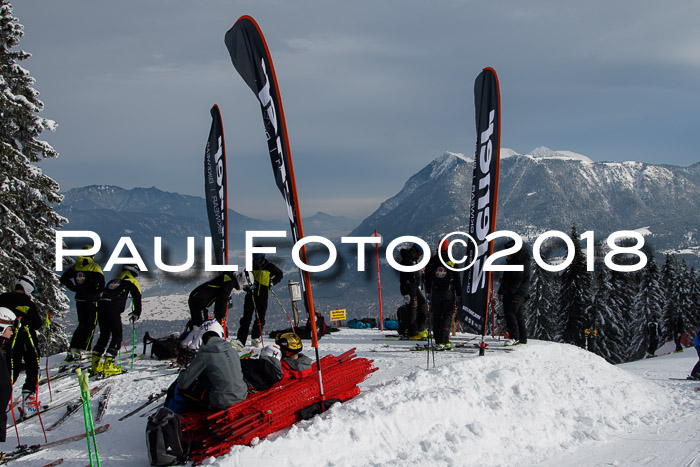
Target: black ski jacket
[(442, 283), (409, 282), (85, 278), (28, 318), (216, 290), (517, 282), (118, 291)]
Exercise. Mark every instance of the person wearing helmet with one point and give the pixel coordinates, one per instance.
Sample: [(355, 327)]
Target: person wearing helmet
[(266, 275), (217, 292), (444, 287), (292, 359), (416, 310), (213, 379), (86, 279), (110, 307), (264, 371), (7, 320), (21, 349)]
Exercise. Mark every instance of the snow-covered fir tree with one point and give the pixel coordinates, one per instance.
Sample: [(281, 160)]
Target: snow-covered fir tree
[(608, 319), (575, 297), (541, 308), (648, 303), (27, 218), (685, 291), (694, 297), (670, 282)]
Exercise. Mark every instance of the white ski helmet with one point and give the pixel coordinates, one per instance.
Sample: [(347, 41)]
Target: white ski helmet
[(212, 326), (271, 351), (27, 284), (132, 268), (7, 318)]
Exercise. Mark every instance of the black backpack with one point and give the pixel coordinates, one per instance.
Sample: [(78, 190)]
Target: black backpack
[(163, 348), (164, 438)]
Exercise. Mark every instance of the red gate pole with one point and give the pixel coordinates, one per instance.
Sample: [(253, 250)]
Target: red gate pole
[(379, 285)]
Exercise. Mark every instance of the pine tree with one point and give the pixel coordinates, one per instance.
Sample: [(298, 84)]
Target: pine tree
[(694, 297), (541, 310), (648, 302), (670, 280), (575, 298), (608, 319), (27, 219)]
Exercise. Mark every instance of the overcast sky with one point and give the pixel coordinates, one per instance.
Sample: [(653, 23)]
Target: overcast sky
[(372, 90)]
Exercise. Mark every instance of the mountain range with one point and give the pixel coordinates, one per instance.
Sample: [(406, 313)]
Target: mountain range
[(552, 190)]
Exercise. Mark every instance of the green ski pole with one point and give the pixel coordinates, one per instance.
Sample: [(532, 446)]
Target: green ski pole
[(83, 401), (89, 423)]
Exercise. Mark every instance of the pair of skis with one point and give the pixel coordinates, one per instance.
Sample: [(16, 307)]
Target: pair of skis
[(25, 450)]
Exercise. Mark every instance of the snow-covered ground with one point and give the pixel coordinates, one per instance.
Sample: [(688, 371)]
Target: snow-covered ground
[(543, 404)]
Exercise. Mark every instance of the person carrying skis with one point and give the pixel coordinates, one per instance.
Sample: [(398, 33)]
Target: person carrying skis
[(110, 307), (513, 291), (22, 351), (213, 379), (416, 310), (678, 328), (7, 320), (217, 292), (86, 279), (445, 290), (695, 373), (294, 362), (266, 275), (653, 336)]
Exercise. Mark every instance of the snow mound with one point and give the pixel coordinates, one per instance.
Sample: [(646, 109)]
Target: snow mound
[(528, 405)]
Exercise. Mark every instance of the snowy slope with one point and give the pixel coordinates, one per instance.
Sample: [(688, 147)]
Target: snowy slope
[(544, 404)]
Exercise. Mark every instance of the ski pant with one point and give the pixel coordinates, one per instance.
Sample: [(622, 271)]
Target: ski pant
[(24, 350), (513, 311), (696, 369), (416, 315), (110, 320), (653, 345), (195, 398), (198, 311), (441, 314), (677, 340), (87, 321), (5, 395), (253, 304)]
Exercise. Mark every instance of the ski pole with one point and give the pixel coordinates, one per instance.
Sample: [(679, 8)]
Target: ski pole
[(285, 311), (83, 400), (133, 327), (133, 350), (12, 376), (48, 348), (38, 412), (89, 423)]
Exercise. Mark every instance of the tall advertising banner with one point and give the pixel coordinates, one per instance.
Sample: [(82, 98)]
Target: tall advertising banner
[(476, 284), (251, 58), (215, 187)]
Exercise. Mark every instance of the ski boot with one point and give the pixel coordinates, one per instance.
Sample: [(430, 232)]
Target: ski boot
[(29, 404), (110, 369), (96, 368)]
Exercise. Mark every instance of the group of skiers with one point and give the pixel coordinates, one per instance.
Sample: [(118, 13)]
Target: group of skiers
[(443, 287)]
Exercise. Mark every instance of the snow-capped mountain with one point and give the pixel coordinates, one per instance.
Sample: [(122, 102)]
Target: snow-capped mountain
[(144, 213), (547, 190)]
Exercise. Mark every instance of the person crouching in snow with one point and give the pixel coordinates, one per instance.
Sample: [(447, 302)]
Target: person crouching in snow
[(293, 361), (213, 380), (263, 372)]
